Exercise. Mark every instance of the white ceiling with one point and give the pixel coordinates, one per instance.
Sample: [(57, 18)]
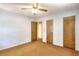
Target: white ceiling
[(52, 8)]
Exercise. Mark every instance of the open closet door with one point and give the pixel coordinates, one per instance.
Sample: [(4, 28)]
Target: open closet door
[(49, 24)]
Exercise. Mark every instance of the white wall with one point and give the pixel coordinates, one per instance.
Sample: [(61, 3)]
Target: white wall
[(77, 31), (15, 29), (58, 26)]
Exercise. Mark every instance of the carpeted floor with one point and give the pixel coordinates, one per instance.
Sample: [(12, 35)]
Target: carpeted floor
[(38, 48)]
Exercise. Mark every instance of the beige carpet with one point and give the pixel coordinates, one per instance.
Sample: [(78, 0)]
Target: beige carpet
[(38, 48)]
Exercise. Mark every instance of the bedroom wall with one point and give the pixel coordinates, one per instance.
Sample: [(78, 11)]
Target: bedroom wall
[(58, 26), (15, 29)]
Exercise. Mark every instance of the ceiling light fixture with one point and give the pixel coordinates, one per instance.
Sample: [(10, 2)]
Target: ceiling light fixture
[(34, 11), (35, 8)]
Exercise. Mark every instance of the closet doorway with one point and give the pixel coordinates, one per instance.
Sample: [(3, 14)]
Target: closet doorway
[(39, 31)]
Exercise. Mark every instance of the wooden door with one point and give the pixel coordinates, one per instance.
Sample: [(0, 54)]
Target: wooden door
[(69, 32), (34, 31), (49, 31)]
